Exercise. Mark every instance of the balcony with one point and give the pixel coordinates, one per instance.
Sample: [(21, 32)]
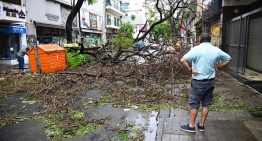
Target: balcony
[(12, 12), (112, 22), (113, 7), (112, 26)]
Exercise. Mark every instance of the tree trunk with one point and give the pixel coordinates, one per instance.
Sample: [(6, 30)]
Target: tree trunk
[(70, 19)]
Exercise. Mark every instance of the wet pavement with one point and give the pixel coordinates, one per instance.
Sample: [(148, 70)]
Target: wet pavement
[(25, 131), (18, 106), (156, 126), (219, 127), (119, 120), (163, 126)]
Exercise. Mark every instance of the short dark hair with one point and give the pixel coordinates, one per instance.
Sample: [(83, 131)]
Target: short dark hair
[(205, 37)]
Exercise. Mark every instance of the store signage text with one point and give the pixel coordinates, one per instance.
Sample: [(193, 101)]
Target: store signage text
[(14, 12), (10, 12), (52, 17)]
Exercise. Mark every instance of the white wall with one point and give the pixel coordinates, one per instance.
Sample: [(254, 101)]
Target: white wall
[(135, 8), (39, 10), (11, 6)]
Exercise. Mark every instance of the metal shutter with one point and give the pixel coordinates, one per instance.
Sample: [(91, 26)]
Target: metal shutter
[(254, 54)]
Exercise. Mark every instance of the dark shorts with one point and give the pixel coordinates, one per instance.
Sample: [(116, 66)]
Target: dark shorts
[(21, 63), (201, 91)]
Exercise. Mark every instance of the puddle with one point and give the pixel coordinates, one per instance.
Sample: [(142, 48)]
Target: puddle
[(31, 130), (146, 121), (93, 94), (119, 118), (116, 115)]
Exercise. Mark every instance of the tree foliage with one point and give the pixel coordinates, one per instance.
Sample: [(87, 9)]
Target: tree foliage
[(133, 17), (162, 30), (124, 37)]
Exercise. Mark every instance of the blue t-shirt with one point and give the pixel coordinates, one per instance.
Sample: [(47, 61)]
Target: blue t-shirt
[(204, 57)]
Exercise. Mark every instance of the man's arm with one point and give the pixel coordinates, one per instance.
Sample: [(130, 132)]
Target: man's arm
[(225, 58), (220, 65), (185, 64)]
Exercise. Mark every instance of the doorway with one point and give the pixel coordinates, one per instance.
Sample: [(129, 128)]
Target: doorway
[(14, 45), (4, 46)]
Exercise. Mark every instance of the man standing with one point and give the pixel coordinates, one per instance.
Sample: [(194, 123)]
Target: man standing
[(20, 58), (205, 59)]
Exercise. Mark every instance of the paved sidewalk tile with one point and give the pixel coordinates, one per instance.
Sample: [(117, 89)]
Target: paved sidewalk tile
[(217, 128), (166, 137)]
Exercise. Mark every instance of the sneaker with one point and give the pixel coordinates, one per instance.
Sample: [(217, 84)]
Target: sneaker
[(200, 128), (187, 128)]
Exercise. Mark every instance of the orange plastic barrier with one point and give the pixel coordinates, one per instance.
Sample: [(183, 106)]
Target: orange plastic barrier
[(51, 57)]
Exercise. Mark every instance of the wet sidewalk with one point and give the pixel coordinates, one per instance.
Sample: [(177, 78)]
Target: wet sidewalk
[(219, 127), (12, 69)]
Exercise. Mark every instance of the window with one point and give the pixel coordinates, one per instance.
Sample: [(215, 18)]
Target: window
[(108, 2), (116, 4), (17, 2), (115, 21), (93, 20), (125, 6), (108, 19)]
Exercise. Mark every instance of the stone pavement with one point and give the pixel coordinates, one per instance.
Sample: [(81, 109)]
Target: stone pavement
[(219, 127)]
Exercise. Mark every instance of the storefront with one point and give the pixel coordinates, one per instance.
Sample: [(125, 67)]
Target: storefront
[(92, 39), (48, 35), (12, 31), (10, 41)]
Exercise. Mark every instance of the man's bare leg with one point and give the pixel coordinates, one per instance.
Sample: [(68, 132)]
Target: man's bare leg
[(192, 117), (204, 114)]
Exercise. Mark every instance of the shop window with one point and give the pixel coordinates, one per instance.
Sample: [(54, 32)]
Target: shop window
[(17, 2)]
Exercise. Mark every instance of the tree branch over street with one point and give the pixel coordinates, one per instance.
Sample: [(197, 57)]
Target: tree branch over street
[(178, 4)]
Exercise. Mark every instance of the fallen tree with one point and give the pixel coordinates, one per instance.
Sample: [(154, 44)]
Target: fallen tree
[(171, 11)]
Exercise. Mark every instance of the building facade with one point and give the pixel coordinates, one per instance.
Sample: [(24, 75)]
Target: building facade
[(92, 22), (242, 34), (46, 21), (242, 39), (12, 30), (113, 18)]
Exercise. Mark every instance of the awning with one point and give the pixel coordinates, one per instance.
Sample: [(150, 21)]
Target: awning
[(54, 26), (13, 29)]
